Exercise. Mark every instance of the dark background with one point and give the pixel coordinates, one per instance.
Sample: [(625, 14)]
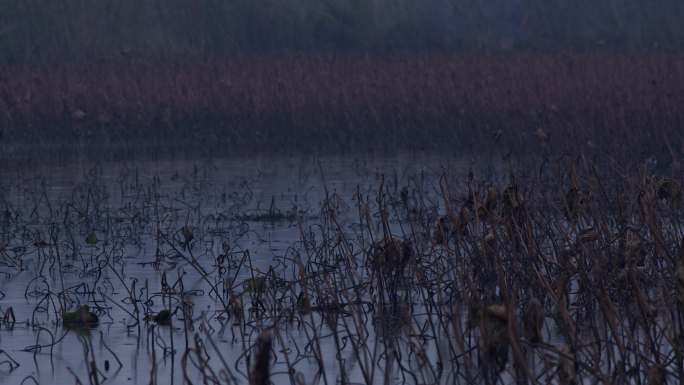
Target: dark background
[(123, 79), (81, 30)]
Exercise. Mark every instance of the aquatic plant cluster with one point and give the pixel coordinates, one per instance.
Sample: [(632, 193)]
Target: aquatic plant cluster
[(343, 103), (567, 271)]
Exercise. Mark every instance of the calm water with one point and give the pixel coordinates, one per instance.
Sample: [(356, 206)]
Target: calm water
[(135, 201)]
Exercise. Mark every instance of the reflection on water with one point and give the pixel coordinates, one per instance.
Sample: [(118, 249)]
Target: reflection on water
[(125, 237)]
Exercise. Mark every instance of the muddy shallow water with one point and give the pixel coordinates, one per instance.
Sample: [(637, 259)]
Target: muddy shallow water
[(260, 205)]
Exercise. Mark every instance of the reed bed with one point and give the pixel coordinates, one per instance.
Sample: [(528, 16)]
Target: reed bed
[(566, 272), (600, 102)]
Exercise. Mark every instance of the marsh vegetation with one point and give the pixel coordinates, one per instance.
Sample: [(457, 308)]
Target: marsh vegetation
[(407, 271), (341, 192), (315, 104)]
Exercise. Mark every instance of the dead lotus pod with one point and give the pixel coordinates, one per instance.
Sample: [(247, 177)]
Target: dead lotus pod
[(533, 320), (390, 255)]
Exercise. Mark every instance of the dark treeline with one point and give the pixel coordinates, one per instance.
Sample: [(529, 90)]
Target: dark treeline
[(43, 31)]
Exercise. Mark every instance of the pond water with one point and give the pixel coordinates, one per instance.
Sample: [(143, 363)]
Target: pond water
[(88, 233)]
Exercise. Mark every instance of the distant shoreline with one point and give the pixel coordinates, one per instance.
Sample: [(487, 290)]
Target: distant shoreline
[(347, 104)]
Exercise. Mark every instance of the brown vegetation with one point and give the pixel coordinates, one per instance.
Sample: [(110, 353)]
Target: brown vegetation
[(517, 288), (349, 103)]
